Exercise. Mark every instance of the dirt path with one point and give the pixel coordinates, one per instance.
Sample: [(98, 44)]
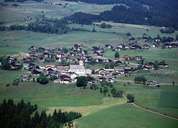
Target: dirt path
[(154, 112)]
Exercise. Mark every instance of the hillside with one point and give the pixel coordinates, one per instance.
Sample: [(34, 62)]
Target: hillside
[(136, 12)]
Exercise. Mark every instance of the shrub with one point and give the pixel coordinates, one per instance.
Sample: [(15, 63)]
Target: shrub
[(130, 98), (82, 81), (42, 79), (140, 80)]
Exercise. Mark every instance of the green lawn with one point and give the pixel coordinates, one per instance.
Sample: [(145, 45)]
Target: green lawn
[(125, 116), (6, 77), (163, 99), (51, 95)]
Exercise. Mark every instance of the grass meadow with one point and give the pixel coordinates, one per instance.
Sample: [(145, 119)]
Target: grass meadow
[(125, 116), (51, 95)]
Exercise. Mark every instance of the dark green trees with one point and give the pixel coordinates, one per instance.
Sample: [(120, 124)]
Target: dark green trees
[(117, 55), (25, 115), (82, 81), (130, 98), (140, 80), (42, 79)]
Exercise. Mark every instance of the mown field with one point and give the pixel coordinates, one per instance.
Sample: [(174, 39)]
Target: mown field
[(51, 96), (125, 116), (163, 99)]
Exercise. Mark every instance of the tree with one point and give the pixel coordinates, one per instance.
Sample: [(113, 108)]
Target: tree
[(16, 82), (173, 83), (82, 81), (140, 79), (104, 25), (113, 92), (25, 115), (5, 63), (105, 90), (119, 93), (156, 65), (176, 37), (42, 79), (130, 98), (110, 65), (117, 55)]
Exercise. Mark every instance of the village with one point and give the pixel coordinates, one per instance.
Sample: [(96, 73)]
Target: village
[(64, 65)]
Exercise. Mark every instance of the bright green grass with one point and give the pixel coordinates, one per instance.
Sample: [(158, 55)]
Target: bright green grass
[(163, 99), (125, 116), (51, 95)]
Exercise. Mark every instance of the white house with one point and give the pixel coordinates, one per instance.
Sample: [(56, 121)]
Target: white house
[(78, 69)]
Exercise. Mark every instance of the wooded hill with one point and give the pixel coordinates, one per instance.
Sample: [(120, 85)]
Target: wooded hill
[(146, 12)]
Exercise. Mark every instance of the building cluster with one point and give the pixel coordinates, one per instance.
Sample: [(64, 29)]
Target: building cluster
[(64, 65)]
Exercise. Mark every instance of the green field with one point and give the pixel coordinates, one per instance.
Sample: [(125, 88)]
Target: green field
[(16, 15), (122, 29), (51, 96), (125, 116), (163, 99), (19, 41)]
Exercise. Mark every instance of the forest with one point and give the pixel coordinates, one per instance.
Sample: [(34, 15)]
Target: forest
[(26, 115)]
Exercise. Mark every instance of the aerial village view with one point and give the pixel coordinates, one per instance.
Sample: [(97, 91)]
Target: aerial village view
[(88, 64)]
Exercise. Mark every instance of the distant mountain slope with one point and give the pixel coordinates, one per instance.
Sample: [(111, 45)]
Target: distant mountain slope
[(150, 12)]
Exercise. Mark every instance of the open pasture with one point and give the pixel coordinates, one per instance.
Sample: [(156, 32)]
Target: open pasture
[(125, 116)]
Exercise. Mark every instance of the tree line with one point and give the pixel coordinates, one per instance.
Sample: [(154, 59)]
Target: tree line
[(41, 24), (26, 115)]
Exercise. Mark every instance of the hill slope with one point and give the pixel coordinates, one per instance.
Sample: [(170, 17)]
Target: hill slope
[(154, 12)]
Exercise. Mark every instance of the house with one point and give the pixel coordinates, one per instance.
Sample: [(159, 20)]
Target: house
[(79, 70), (64, 79), (62, 69), (146, 46), (135, 47), (152, 84), (109, 46)]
